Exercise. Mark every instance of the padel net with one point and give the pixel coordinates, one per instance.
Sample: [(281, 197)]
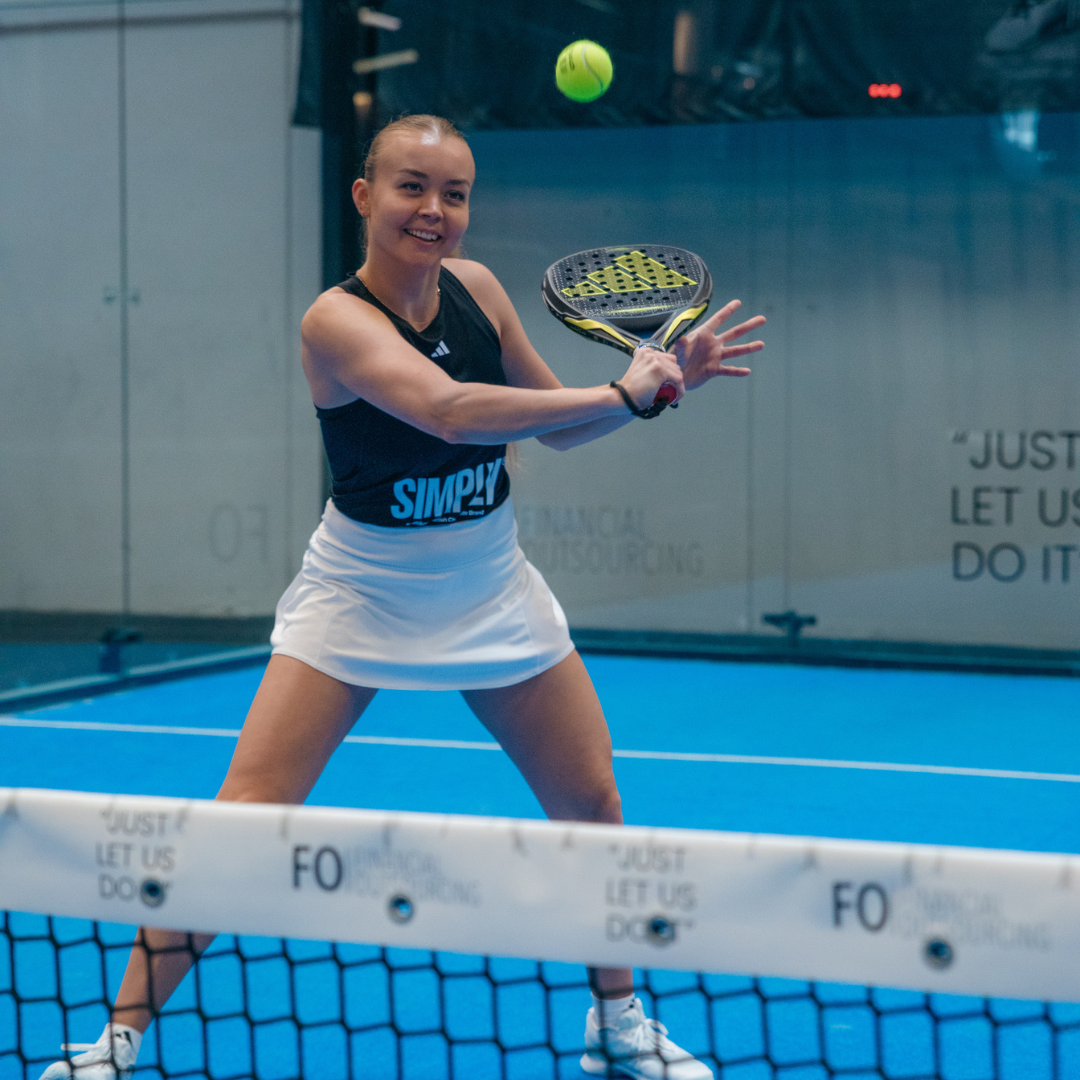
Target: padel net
[(400, 945)]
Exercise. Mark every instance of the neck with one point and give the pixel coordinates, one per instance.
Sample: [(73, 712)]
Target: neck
[(409, 291)]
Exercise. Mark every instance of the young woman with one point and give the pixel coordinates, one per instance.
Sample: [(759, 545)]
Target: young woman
[(421, 374)]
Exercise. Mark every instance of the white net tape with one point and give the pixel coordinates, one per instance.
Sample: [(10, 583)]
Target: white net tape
[(954, 920)]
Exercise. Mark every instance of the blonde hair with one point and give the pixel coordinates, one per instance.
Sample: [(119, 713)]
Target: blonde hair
[(435, 126), (513, 463)]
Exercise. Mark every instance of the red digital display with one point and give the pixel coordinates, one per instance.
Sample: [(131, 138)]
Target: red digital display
[(893, 90)]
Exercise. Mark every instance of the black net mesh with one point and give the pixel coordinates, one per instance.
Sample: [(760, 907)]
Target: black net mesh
[(274, 1009)]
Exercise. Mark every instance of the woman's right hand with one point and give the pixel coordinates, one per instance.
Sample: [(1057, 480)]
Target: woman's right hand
[(648, 371)]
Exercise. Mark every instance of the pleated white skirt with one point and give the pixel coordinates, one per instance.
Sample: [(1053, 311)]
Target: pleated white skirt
[(455, 607)]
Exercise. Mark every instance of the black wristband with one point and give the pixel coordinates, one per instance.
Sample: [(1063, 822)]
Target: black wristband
[(655, 409)]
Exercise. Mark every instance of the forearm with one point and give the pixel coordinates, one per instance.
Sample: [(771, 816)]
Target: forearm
[(487, 415), (569, 437)]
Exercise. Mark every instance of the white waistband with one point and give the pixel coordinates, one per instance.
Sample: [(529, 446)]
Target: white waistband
[(429, 548)]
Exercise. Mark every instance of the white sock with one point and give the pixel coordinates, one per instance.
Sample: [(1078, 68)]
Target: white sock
[(609, 1010), (112, 1041), (134, 1035)]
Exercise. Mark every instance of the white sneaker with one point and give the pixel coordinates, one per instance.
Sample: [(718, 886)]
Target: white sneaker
[(637, 1047), (112, 1057)]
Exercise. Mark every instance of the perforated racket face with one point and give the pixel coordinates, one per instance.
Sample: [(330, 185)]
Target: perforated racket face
[(633, 287)]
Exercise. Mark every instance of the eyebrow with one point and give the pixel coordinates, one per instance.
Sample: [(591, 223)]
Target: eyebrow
[(420, 175)]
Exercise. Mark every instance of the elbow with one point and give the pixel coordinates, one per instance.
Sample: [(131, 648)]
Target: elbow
[(452, 430), (453, 435), (444, 424), (454, 422), (552, 440)]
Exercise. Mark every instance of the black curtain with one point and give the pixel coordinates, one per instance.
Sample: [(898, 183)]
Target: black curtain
[(490, 64)]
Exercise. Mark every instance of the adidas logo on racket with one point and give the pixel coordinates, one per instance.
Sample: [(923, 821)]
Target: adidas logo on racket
[(628, 296)]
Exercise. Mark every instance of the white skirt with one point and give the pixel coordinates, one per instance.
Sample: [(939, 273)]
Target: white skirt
[(454, 607)]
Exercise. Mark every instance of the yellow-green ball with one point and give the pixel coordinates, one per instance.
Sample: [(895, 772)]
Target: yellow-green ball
[(583, 71)]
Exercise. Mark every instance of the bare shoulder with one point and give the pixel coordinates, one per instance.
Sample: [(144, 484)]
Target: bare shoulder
[(521, 362), (484, 288), (470, 273), (336, 313), (338, 332)]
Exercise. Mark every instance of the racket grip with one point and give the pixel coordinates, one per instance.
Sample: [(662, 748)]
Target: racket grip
[(665, 395)]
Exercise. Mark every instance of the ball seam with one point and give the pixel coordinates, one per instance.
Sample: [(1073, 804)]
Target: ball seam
[(595, 75)]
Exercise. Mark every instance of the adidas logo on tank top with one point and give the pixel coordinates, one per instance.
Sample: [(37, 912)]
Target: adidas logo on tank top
[(441, 350)]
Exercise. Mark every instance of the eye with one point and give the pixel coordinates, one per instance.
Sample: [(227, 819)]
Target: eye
[(411, 185), (459, 196)]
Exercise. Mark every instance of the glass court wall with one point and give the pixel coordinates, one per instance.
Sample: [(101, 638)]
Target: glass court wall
[(158, 453), (903, 464)]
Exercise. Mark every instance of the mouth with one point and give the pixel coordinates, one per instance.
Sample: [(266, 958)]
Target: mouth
[(424, 234)]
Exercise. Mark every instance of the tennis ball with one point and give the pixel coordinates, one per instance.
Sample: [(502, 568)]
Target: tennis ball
[(583, 71)]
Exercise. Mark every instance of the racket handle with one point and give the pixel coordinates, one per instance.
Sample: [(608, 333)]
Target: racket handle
[(665, 395)]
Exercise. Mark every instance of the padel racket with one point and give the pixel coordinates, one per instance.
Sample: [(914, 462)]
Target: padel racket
[(628, 296)]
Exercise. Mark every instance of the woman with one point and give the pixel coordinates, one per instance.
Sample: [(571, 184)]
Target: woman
[(421, 373)]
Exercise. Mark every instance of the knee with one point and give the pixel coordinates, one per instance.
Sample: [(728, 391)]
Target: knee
[(233, 791), (600, 803), (609, 806), (240, 786)]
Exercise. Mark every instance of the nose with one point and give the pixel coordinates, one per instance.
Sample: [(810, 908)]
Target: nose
[(431, 207)]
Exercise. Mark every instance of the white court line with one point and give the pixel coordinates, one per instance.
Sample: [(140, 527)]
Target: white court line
[(97, 725), (438, 744), (231, 733), (644, 755), (830, 763)]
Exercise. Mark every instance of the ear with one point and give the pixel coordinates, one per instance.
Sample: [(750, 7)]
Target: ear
[(361, 195)]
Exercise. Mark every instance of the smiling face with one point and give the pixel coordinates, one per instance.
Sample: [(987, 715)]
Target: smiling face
[(416, 205)]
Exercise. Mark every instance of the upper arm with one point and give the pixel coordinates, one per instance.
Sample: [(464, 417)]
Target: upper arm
[(351, 349), (521, 362)]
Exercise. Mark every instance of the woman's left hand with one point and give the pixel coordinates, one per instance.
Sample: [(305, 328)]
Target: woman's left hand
[(704, 353)]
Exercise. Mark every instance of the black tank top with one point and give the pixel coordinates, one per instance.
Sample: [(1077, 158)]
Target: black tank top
[(387, 472)]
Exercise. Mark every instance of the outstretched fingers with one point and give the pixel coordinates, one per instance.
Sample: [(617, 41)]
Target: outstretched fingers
[(742, 328), (730, 352), (707, 350), (743, 349), (712, 323), (723, 368)]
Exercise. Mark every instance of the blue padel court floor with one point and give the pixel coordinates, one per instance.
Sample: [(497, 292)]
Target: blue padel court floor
[(987, 761)]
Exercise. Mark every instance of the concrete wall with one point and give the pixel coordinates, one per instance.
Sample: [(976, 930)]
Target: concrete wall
[(922, 284), (158, 451)]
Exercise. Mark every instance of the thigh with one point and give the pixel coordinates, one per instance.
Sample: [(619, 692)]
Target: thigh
[(297, 720), (553, 729)]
